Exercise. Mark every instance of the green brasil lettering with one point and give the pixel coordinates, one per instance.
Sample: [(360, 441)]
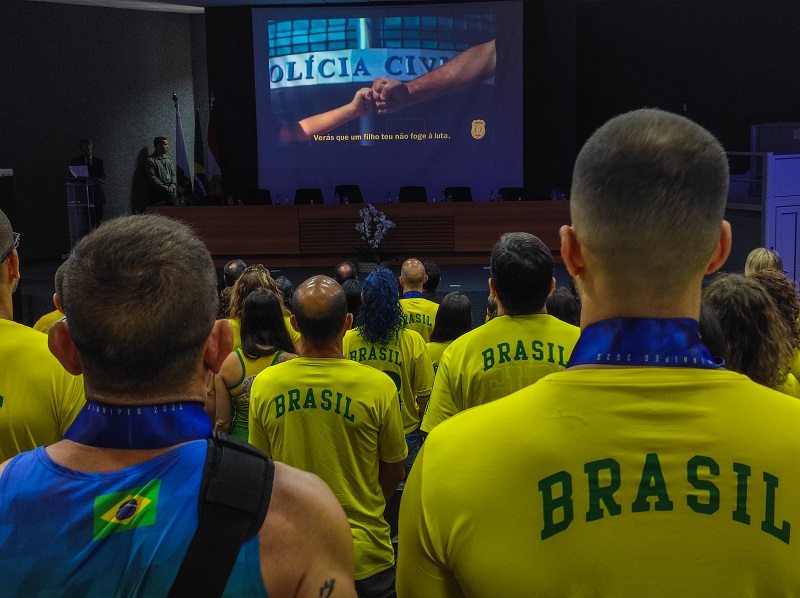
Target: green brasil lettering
[(508, 352), (373, 354), (412, 318), (558, 504), (326, 400)]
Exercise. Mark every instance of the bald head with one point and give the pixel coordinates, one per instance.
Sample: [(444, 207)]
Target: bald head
[(412, 275), (320, 309)]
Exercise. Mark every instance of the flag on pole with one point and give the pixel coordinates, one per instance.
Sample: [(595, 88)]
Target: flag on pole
[(199, 160), (181, 157), (213, 173)]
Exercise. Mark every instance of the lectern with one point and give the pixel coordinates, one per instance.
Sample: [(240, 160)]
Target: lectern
[(80, 208)]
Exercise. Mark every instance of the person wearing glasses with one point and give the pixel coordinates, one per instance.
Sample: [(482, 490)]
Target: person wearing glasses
[(38, 398)]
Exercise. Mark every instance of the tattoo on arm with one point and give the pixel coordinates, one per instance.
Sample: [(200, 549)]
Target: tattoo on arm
[(327, 588)]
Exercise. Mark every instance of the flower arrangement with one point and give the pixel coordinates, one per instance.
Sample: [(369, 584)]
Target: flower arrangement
[(373, 227)]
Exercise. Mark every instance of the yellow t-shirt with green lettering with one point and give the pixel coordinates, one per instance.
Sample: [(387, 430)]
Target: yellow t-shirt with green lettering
[(405, 361), (609, 482), (39, 399), (337, 419), (420, 315), (495, 359)]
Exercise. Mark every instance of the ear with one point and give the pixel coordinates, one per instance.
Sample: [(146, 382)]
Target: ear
[(293, 321), (492, 290), (552, 286), (424, 279), (12, 267), (219, 345), (571, 253), (348, 321), (722, 250), (62, 346), (57, 303)]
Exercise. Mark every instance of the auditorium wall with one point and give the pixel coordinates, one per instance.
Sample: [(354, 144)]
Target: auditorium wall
[(78, 71)]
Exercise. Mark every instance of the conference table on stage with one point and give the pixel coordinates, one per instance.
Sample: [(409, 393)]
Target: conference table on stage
[(320, 235)]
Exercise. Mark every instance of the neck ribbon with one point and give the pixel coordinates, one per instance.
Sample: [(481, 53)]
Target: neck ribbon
[(412, 295), (644, 342), (145, 427)]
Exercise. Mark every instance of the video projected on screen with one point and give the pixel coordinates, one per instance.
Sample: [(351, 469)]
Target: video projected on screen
[(387, 97)]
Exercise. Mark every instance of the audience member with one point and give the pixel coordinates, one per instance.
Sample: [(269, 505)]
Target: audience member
[(599, 472), (784, 294), (522, 344), (563, 305), (230, 274), (285, 287), (97, 173), (130, 470), (324, 413), (252, 278), (756, 335), (711, 333), (352, 292), (762, 259), (38, 399), (419, 313), (453, 319), (265, 342), (345, 271), (43, 324), (380, 339), (491, 307), (433, 277)]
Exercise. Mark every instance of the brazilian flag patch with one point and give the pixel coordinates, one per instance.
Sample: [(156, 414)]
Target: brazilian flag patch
[(122, 511)]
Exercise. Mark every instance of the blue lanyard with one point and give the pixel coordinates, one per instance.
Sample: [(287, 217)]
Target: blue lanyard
[(145, 427), (644, 342), (412, 295)]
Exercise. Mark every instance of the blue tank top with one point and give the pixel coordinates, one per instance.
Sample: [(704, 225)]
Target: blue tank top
[(122, 533)]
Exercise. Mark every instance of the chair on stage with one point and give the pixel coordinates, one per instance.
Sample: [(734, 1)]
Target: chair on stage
[(513, 194), (412, 193), (348, 194), (308, 195), (256, 197), (458, 193)]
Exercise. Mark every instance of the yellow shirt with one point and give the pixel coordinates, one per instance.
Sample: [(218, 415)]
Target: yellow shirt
[(420, 315), (39, 399), (43, 324), (497, 358), (337, 419), (609, 482), (405, 361), (435, 350)]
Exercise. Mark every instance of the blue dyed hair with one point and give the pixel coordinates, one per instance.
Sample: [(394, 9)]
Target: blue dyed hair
[(380, 318)]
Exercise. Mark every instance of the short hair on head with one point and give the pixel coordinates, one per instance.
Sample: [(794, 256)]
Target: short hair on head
[(263, 329), (285, 287), (140, 293), (320, 309), (380, 317), (352, 292), (648, 196), (233, 270), (434, 276), (760, 259), (158, 141), (413, 272), (6, 232), (453, 318), (563, 305), (756, 337), (345, 271), (522, 273)]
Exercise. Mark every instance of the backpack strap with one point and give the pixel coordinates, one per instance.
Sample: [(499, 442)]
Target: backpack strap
[(234, 498)]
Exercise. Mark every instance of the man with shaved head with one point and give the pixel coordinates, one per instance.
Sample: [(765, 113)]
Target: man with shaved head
[(420, 313), (326, 414)]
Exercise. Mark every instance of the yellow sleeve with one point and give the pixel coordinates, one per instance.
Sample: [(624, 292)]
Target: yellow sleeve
[(420, 567), (256, 418), (392, 445), (441, 404)]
